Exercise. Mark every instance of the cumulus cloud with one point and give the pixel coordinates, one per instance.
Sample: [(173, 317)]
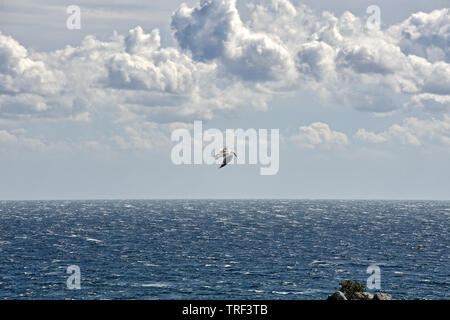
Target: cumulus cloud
[(222, 63), (214, 31), (317, 59), (412, 131), (339, 58), (103, 76), (20, 73), (344, 61), (137, 41), (319, 134), (425, 35), (145, 65)]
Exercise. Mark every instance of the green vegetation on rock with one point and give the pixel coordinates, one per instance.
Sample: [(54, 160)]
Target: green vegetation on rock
[(349, 287)]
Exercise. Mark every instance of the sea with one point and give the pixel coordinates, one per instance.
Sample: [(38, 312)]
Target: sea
[(222, 249)]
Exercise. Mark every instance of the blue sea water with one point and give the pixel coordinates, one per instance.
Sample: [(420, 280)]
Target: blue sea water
[(222, 249)]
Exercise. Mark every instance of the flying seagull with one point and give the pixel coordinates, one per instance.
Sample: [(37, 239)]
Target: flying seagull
[(227, 156)]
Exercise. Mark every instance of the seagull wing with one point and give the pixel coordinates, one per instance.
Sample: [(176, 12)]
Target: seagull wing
[(223, 153), (226, 160)]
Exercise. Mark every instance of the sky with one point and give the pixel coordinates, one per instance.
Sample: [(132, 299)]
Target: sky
[(363, 111)]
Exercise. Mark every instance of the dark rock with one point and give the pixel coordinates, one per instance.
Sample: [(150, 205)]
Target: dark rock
[(382, 296), (337, 296), (361, 296)]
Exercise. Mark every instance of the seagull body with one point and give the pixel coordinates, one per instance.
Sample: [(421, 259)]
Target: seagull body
[(227, 156)]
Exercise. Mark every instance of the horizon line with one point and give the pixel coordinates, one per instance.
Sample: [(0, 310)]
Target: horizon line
[(156, 199)]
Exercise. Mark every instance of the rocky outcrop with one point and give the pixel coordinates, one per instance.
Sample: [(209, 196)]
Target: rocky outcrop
[(337, 296), (361, 296), (382, 296)]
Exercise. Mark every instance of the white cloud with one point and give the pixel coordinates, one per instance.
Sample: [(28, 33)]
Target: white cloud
[(433, 103), (412, 131), (317, 59), (337, 57), (22, 104), (319, 134), (20, 73), (281, 47), (364, 135), (137, 41), (344, 61), (10, 140), (103, 75), (223, 63), (425, 35), (214, 31), (145, 65)]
